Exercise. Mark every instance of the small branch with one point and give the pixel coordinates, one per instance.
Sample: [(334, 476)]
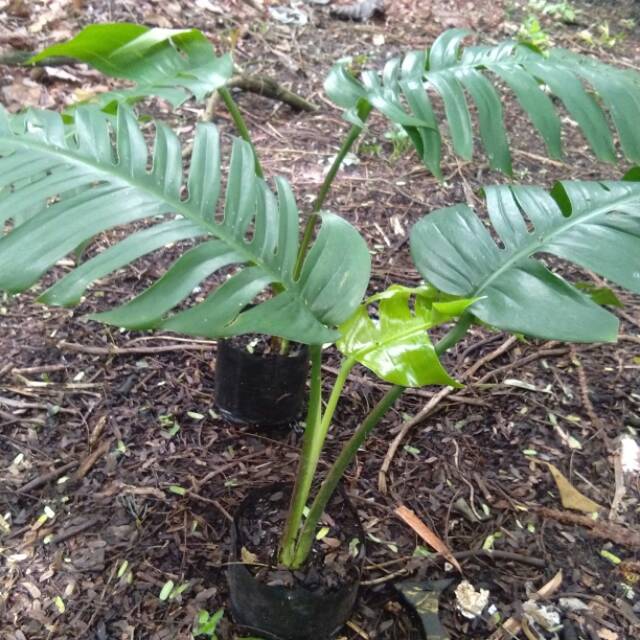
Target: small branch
[(38, 482), (502, 555), (74, 531), (616, 533), (268, 87), (124, 351), (584, 389), (88, 463)]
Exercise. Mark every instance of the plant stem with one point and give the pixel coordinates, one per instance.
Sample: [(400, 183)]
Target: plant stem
[(455, 334), (302, 485), (307, 534), (240, 124), (348, 452), (314, 217)]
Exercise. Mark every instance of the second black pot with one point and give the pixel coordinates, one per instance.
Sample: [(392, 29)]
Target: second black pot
[(260, 389), (287, 613)]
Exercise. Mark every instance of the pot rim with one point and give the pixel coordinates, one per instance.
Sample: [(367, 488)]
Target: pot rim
[(256, 492)]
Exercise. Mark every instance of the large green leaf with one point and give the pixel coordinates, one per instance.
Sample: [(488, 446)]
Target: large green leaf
[(173, 64), (593, 224), (587, 88), (61, 185), (395, 344)]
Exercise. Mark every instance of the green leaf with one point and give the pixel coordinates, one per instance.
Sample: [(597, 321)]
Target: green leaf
[(60, 606), (395, 345), (166, 590), (593, 224), (323, 532), (173, 64), (600, 295), (206, 624), (63, 184), (588, 89)]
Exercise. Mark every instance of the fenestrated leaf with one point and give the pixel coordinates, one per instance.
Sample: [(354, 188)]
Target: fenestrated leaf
[(588, 89), (173, 64), (594, 224), (395, 344), (86, 183)]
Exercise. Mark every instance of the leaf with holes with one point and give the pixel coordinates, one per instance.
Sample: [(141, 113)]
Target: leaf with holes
[(395, 344), (596, 225), (61, 185), (588, 89)]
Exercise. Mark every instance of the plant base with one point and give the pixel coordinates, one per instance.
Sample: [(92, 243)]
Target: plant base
[(277, 612)]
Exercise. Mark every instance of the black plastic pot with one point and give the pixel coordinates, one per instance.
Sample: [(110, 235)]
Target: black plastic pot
[(262, 389), (283, 613)]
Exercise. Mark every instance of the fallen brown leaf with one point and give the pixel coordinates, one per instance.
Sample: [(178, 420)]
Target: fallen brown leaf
[(433, 540), (570, 497)]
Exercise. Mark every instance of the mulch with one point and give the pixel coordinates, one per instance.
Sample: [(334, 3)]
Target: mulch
[(119, 475)]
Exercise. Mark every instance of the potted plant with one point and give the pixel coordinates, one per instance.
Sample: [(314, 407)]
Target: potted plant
[(314, 296)]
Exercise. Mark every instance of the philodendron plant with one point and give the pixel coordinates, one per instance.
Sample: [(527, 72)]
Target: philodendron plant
[(64, 180)]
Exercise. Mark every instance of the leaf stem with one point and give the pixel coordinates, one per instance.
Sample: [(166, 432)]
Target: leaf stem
[(455, 334), (307, 534), (304, 475), (307, 235), (348, 452), (240, 124)]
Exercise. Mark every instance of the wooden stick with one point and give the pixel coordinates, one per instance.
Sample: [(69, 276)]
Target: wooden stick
[(91, 459), (124, 351), (36, 483)]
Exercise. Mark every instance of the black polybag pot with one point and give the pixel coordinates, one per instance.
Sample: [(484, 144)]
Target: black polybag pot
[(287, 613), (263, 389)]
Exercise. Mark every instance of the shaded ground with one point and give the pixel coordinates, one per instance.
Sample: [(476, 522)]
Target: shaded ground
[(91, 435)]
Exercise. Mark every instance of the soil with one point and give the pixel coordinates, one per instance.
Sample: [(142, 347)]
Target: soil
[(261, 345), (117, 477), (335, 558)]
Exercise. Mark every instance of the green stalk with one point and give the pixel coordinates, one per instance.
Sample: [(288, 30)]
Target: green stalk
[(302, 485), (455, 334), (348, 452), (314, 217), (306, 537), (282, 345), (240, 124)]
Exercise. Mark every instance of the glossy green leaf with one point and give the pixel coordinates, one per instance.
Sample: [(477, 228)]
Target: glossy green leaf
[(173, 64), (86, 182), (395, 343), (589, 90), (596, 225)]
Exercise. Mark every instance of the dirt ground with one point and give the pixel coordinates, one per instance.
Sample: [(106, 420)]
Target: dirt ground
[(113, 436)]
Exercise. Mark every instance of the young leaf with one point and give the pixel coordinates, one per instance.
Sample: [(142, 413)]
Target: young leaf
[(173, 64), (166, 590), (396, 345)]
